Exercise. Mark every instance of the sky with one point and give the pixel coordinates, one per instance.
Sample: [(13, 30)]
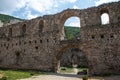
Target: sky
[(28, 9)]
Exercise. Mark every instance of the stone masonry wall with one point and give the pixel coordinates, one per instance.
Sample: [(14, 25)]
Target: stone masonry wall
[(36, 44)]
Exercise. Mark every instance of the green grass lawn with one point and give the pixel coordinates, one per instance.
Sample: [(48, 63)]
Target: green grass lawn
[(80, 69), (19, 74), (68, 70)]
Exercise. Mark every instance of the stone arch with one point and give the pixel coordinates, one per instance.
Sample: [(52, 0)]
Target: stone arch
[(64, 16), (60, 53), (104, 12), (23, 29), (119, 19), (41, 25), (17, 57), (10, 32)]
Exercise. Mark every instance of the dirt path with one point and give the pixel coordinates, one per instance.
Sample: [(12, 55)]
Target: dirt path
[(68, 77), (55, 77)]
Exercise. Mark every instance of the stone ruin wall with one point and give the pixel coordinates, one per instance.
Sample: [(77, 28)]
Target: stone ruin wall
[(103, 49), (27, 46), (35, 44)]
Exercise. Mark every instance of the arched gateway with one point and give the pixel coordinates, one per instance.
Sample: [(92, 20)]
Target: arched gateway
[(43, 42), (64, 45)]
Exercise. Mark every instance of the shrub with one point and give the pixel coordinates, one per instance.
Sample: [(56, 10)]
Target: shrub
[(3, 78), (85, 78)]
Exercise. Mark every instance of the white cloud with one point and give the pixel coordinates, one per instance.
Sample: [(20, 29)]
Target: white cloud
[(75, 7), (40, 5), (30, 15), (70, 1), (9, 6), (103, 1), (74, 24), (73, 21)]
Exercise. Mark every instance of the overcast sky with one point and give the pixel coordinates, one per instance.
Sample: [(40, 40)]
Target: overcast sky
[(28, 9)]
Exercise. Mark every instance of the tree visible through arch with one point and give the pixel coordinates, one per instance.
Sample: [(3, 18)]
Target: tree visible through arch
[(72, 59), (71, 27)]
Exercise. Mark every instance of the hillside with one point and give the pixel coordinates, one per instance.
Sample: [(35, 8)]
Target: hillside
[(71, 32), (6, 18)]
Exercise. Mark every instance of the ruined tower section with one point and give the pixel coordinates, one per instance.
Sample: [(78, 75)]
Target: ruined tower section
[(102, 41)]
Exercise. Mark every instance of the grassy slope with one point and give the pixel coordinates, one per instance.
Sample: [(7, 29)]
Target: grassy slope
[(6, 18)]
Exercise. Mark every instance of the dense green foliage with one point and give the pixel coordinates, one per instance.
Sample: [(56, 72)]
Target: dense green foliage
[(71, 32), (6, 18)]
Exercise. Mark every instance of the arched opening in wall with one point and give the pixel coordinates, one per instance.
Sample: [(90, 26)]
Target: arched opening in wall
[(23, 30), (104, 16), (41, 25), (71, 28), (72, 60), (10, 32), (119, 19), (17, 55)]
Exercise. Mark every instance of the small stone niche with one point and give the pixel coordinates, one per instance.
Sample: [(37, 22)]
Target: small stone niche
[(102, 36), (17, 54), (36, 47), (93, 37)]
